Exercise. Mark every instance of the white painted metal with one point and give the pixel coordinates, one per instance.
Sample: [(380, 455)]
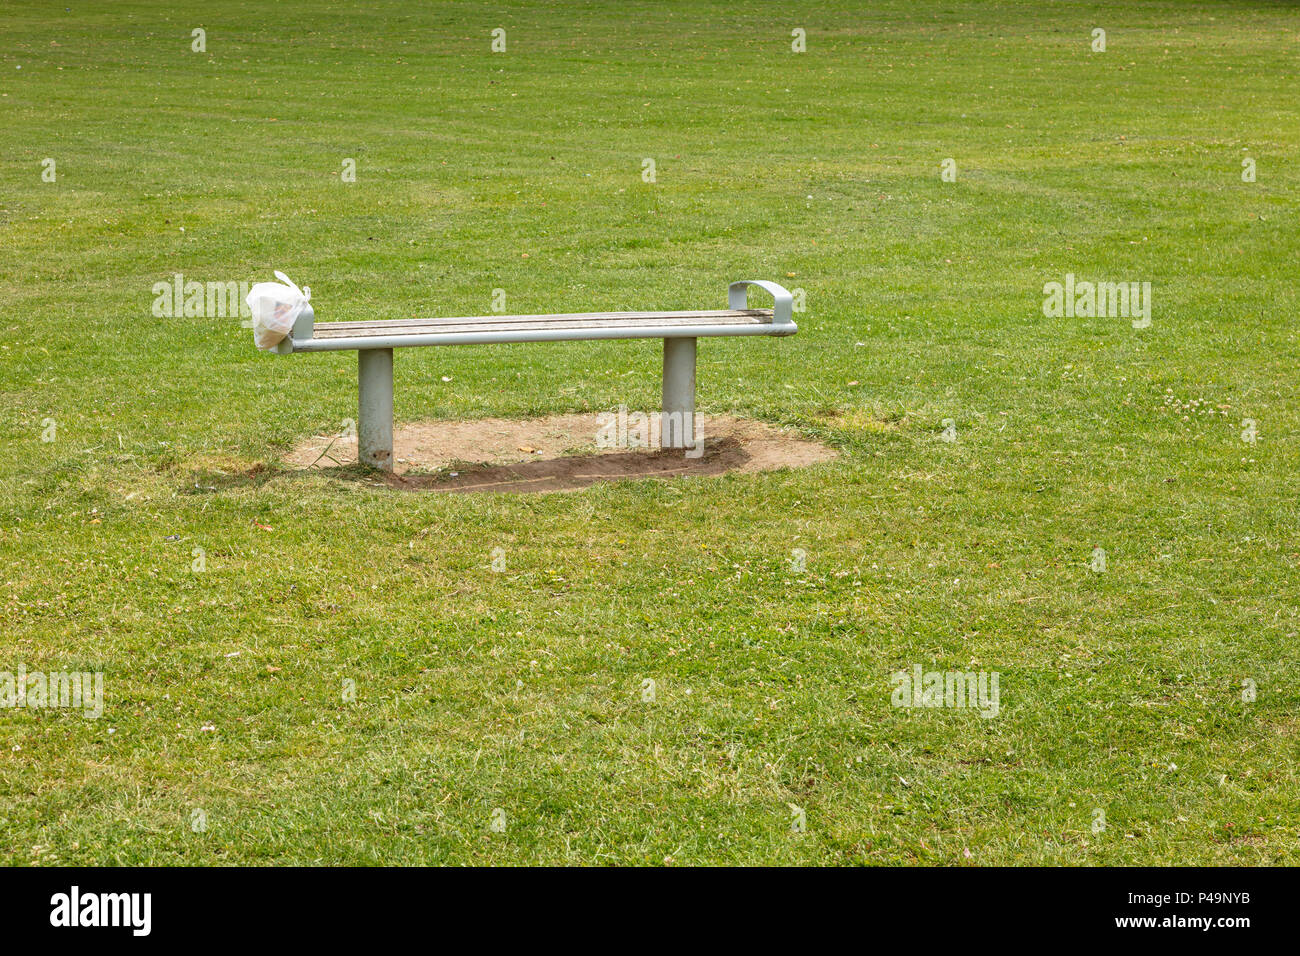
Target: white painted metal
[(375, 408), (782, 308), (677, 427)]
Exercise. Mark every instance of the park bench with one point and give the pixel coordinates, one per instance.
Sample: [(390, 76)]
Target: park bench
[(374, 342)]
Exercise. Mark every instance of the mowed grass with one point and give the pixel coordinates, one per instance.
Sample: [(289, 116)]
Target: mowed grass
[(522, 690)]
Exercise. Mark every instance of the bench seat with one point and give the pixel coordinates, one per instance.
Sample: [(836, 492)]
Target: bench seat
[(570, 326)]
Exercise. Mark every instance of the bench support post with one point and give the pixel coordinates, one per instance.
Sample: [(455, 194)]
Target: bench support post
[(677, 427), (375, 408)]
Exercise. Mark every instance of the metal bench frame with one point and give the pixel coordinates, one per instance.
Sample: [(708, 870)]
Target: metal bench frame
[(374, 343)]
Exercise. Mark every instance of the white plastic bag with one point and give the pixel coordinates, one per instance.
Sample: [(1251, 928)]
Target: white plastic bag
[(275, 308)]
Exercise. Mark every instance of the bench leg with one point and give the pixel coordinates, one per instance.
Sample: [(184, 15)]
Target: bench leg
[(375, 408), (677, 427)]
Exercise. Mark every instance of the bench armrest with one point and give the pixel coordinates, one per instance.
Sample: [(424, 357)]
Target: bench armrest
[(302, 330), (782, 307)]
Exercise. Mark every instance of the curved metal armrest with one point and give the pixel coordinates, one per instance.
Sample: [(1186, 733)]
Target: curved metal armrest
[(302, 330), (783, 302)]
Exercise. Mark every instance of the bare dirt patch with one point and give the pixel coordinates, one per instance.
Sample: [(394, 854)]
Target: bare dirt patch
[(559, 453)]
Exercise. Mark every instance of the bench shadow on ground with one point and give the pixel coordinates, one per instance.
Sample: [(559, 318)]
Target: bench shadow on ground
[(567, 473), (570, 472)]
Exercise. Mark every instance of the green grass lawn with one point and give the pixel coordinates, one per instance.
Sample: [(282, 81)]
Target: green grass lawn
[(522, 691)]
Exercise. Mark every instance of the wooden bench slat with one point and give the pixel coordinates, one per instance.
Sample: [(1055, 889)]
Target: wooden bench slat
[(646, 317), (516, 323)]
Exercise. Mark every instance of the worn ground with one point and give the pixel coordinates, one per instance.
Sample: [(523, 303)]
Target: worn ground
[(562, 452)]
